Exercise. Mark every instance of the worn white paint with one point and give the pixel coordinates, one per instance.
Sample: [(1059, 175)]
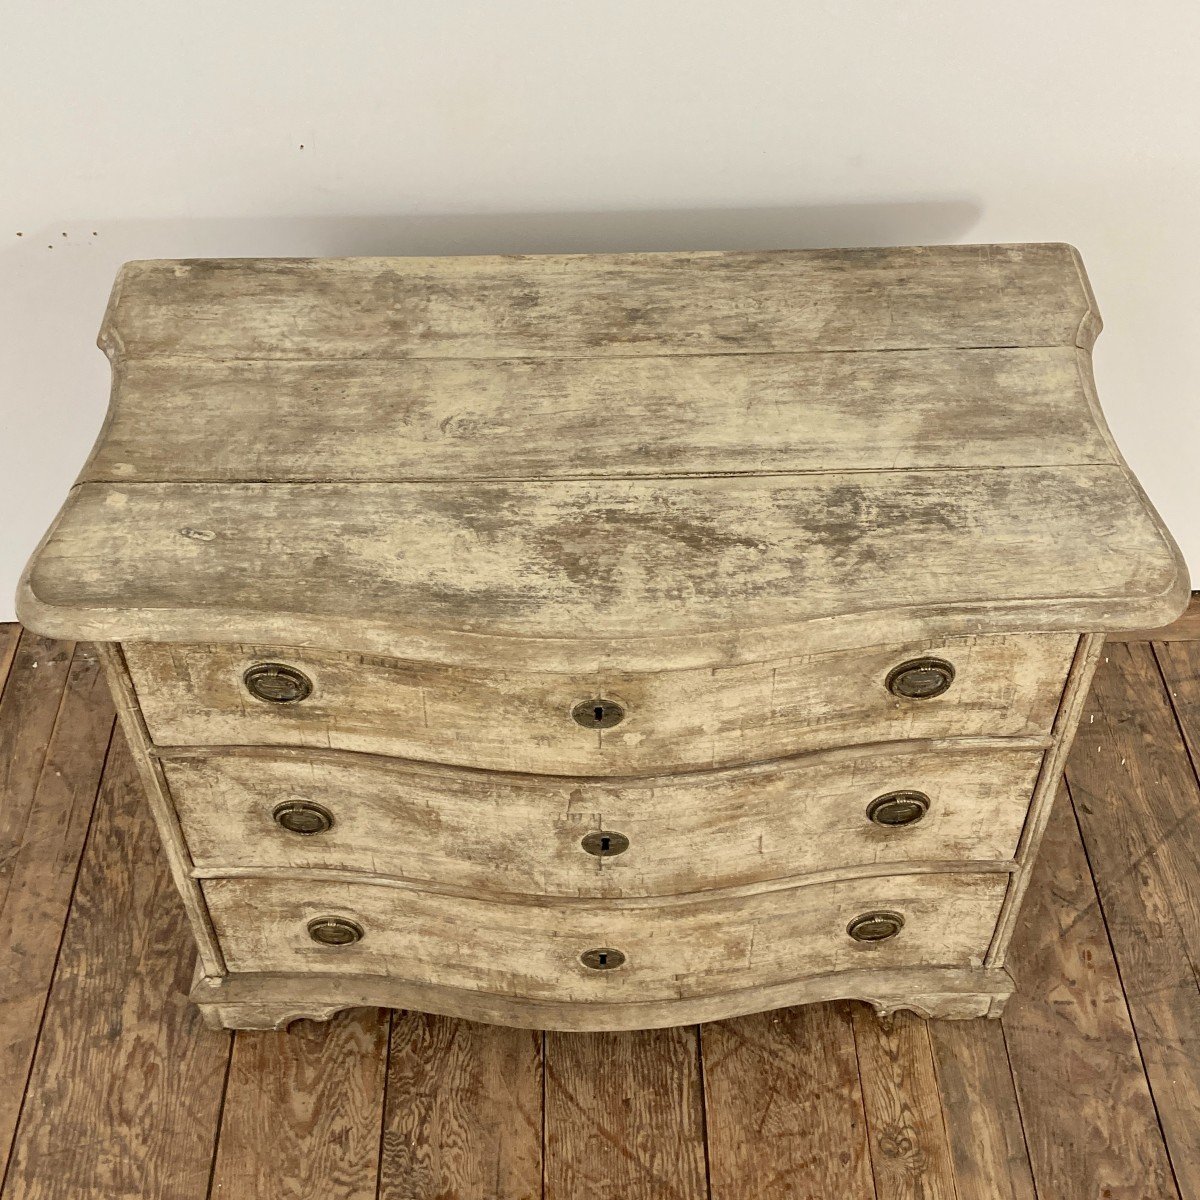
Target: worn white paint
[(143, 131)]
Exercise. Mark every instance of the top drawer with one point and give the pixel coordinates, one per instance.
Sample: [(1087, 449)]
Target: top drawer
[(606, 723)]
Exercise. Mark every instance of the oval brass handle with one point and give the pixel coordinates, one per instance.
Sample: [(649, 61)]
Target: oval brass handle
[(277, 683), (597, 714), (335, 931), (303, 817), (603, 958), (920, 678), (604, 843), (898, 808), (875, 926)]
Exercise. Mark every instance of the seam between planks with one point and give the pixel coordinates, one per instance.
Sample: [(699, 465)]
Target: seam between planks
[(383, 1106), (1012, 1075), (862, 1100), (123, 356), (1183, 737), (220, 1121), (703, 1110), (1192, 762), (548, 480), (937, 1083), (545, 1146)]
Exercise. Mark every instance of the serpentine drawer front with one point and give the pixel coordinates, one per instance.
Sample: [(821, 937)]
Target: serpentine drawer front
[(603, 641), (604, 722), (491, 833)]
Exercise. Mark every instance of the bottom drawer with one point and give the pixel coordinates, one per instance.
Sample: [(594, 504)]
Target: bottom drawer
[(637, 950)]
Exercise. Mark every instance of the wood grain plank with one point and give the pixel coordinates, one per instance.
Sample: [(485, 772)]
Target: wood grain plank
[(784, 1109), (303, 1110), (10, 633), (477, 572), (29, 709), (979, 1106), (198, 420), (124, 1096), (602, 304), (1089, 1119), (910, 1156), (1180, 667), (42, 868), (464, 1111), (1138, 805), (1185, 628), (624, 1116)]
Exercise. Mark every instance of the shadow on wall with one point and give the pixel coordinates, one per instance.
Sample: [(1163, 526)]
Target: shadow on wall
[(882, 224), (681, 229)]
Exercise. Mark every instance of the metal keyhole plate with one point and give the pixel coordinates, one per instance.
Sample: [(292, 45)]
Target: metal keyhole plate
[(603, 958), (604, 843), (597, 714)]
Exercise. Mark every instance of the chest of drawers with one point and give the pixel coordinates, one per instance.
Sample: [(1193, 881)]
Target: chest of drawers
[(602, 641)]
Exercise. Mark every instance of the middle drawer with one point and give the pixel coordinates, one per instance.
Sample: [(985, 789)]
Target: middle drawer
[(548, 835)]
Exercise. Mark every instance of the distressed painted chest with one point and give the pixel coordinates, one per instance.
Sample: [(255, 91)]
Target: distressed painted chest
[(603, 641)]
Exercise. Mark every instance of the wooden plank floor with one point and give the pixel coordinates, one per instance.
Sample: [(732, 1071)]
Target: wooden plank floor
[(1088, 1088)]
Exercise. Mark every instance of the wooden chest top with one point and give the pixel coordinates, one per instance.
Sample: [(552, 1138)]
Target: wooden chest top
[(656, 460)]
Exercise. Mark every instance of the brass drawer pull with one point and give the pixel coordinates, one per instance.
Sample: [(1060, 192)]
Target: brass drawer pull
[(277, 683), (597, 714), (875, 926), (898, 808), (303, 817), (920, 678), (335, 931), (604, 844), (603, 958)]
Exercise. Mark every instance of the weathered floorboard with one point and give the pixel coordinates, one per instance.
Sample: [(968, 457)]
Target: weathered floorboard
[(910, 1156), (1179, 663), (1089, 1120), (624, 1116), (1138, 805), (979, 1105), (464, 1111), (41, 869), (10, 633), (29, 709), (124, 1096), (303, 1111), (784, 1109)]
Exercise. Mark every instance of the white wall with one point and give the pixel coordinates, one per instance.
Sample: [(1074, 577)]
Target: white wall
[(265, 127)]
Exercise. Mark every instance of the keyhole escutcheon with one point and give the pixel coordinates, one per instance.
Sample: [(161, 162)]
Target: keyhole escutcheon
[(597, 713)]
